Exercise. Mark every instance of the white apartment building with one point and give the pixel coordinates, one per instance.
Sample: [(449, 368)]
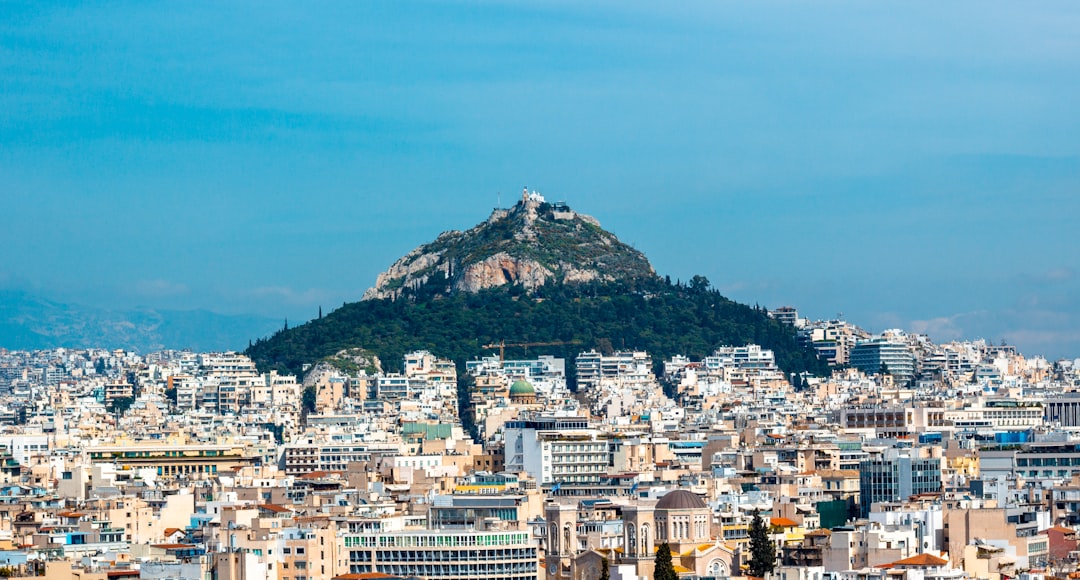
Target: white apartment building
[(627, 366)]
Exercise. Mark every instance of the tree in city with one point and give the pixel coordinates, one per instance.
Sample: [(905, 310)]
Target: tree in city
[(664, 569), (762, 549), (605, 570), (120, 405), (308, 399)]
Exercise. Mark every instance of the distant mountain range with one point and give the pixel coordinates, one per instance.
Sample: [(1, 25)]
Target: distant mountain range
[(30, 322)]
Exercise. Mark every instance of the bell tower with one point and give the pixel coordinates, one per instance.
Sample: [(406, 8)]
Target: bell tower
[(561, 540), (639, 538)]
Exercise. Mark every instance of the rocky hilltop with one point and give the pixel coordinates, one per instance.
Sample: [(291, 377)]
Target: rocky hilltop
[(529, 245)]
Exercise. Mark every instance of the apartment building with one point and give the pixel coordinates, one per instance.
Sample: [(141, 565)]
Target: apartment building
[(628, 366), (558, 450)]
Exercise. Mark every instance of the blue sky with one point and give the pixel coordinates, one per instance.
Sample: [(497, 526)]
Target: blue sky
[(911, 165)]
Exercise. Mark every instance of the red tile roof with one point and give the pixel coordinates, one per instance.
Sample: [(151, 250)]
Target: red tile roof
[(923, 560)]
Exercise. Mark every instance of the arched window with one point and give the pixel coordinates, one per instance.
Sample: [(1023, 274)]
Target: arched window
[(631, 540), (717, 568), (553, 538), (645, 548)]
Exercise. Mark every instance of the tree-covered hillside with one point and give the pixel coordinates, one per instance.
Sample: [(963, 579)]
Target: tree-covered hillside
[(662, 318)]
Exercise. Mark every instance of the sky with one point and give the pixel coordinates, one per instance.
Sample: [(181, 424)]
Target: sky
[(904, 165)]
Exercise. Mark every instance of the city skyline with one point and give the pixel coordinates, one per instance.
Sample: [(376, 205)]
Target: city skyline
[(911, 167)]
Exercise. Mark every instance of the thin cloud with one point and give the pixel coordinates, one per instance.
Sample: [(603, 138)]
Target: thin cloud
[(160, 288), (941, 328), (1058, 275), (289, 295)]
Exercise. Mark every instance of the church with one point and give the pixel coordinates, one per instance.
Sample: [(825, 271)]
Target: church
[(680, 518)]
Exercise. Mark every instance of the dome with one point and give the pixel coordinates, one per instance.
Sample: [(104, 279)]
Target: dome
[(680, 499), (522, 387)]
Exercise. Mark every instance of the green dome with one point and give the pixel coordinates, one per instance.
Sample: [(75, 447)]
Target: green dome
[(522, 387)]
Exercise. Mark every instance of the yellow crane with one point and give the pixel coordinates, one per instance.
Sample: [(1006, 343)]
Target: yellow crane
[(502, 344)]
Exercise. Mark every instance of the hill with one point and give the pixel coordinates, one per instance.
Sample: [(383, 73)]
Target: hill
[(537, 272)]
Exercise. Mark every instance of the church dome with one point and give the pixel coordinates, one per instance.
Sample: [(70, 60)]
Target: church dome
[(522, 387), (680, 499)]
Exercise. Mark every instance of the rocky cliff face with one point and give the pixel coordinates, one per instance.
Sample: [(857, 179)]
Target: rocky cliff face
[(529, 245)]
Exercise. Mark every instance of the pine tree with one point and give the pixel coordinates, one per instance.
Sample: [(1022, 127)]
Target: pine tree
[(762, 550), (605, 570), (664, 569)]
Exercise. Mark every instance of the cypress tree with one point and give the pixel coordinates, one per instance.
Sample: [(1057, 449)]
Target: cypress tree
[(762, 550), (664, 569), (605, 570)]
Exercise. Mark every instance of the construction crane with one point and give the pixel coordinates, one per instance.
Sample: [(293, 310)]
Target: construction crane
[(502, 344)]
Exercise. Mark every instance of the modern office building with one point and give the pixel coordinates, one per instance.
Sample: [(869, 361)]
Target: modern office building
[(897, 475), (871, 356), (1063, 410), (444, 554), (1044, 459)]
